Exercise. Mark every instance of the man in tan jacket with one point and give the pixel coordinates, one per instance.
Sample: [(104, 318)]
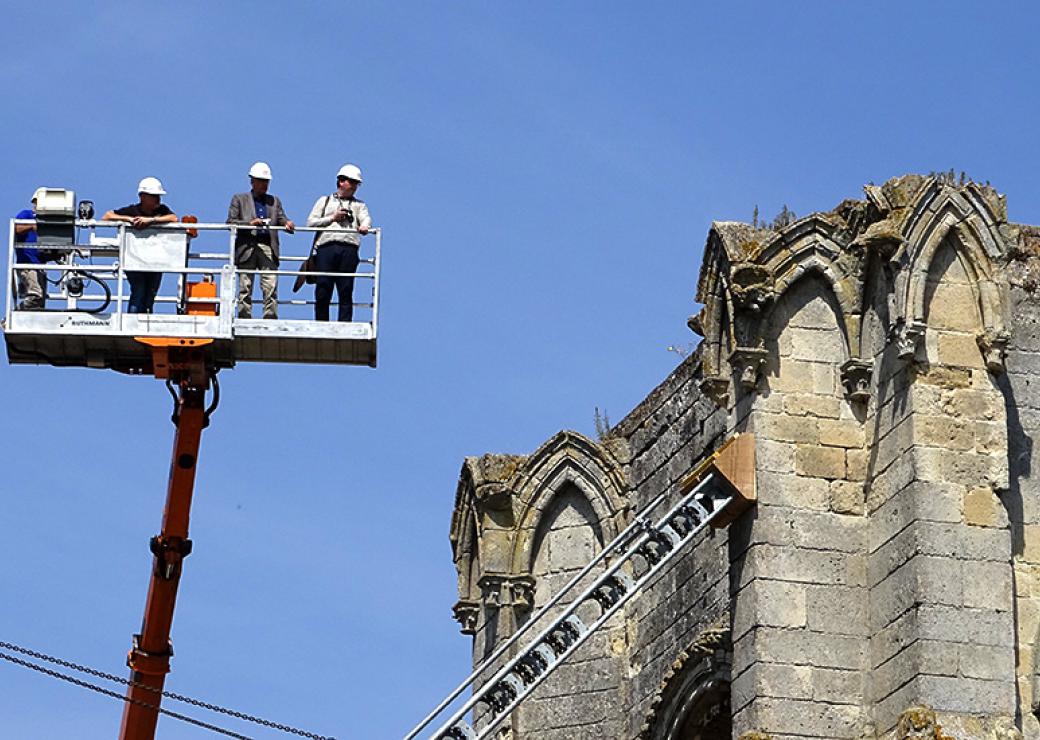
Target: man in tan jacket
[(336, 250)]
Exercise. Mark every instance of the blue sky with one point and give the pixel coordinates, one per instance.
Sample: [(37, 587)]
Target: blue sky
[(545, 174)]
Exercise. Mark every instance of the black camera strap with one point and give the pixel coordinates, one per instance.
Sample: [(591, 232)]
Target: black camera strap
[(314, 243)]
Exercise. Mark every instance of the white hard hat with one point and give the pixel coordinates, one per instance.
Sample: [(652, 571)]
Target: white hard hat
[(151, 186), (351, 171), (261, 171), (37, 193)]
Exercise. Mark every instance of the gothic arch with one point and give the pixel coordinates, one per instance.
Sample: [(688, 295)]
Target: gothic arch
[(944, 213), (569, 461), (846, 315), (693, 702), (936, 202), (752, 269), (818, 286)]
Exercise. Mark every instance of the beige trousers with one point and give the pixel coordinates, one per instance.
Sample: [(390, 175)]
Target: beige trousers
[(32, 289), (262, 259)]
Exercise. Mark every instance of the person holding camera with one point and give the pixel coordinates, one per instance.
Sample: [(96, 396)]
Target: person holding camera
[(257, 249), (336, 250)]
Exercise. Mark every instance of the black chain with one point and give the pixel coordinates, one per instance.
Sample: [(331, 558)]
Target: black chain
[(106, 692), (167, 694)]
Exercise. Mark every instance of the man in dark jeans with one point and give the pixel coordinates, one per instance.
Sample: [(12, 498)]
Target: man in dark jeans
[(336, 250), (149, 211)]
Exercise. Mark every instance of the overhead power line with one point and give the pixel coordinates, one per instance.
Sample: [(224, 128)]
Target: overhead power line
[(126, 682)]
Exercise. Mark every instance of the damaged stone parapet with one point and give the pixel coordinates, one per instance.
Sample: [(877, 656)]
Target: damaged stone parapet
[(919, 723)]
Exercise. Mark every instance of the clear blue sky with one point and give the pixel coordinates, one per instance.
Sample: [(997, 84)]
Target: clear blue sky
[(545, 174)]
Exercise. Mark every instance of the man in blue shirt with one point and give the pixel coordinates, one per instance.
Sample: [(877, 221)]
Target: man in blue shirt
[(32, 284)]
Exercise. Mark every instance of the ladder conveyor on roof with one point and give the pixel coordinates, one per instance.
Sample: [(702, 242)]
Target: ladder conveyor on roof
[(713, 495)]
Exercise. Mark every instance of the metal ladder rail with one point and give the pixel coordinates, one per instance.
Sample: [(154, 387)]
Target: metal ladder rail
[(522, 674), (611, 590), (638, 525)]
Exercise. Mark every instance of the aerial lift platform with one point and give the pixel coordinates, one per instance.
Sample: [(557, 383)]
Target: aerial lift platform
[(192, 334), (85, 322)]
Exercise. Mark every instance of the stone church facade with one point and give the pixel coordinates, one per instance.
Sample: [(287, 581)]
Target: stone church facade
[(885, 355)]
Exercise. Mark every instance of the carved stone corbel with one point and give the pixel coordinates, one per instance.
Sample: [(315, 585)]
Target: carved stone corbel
[(716, 637), (491, 590), (521, 591), (716, 387), (855, 377), (993, 344), (908, 338), (499, 590), (751, 287), (493, 497), (748, 362), (467, 614)]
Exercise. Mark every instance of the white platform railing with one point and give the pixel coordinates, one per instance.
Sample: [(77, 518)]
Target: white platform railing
[(89, 276)]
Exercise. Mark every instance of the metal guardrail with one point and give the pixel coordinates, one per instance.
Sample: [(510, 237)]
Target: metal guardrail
[(100, 263)]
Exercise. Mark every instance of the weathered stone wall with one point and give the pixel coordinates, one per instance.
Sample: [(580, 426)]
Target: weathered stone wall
[(667, 435), (523, 526), (580, 698), (1019, 507), (799, 568), (887, 584), (941, 617)]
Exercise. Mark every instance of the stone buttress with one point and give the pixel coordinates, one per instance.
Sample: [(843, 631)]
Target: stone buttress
[(887, 584)]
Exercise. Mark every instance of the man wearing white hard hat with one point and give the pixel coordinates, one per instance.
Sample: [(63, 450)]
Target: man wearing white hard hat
[(336, 250), (257, 249), (148, 211), (32, 284)]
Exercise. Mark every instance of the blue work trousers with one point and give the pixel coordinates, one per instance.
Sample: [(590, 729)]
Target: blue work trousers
[(144, 286), (335, 257)]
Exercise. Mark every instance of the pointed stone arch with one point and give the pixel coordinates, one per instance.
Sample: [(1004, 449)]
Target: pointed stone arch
[(809, 285), (751, 270), (845, 301), (693, 701), (944, 217), (569, 462)]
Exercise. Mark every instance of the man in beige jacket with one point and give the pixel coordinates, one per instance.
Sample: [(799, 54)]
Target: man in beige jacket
[(336, 250)]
